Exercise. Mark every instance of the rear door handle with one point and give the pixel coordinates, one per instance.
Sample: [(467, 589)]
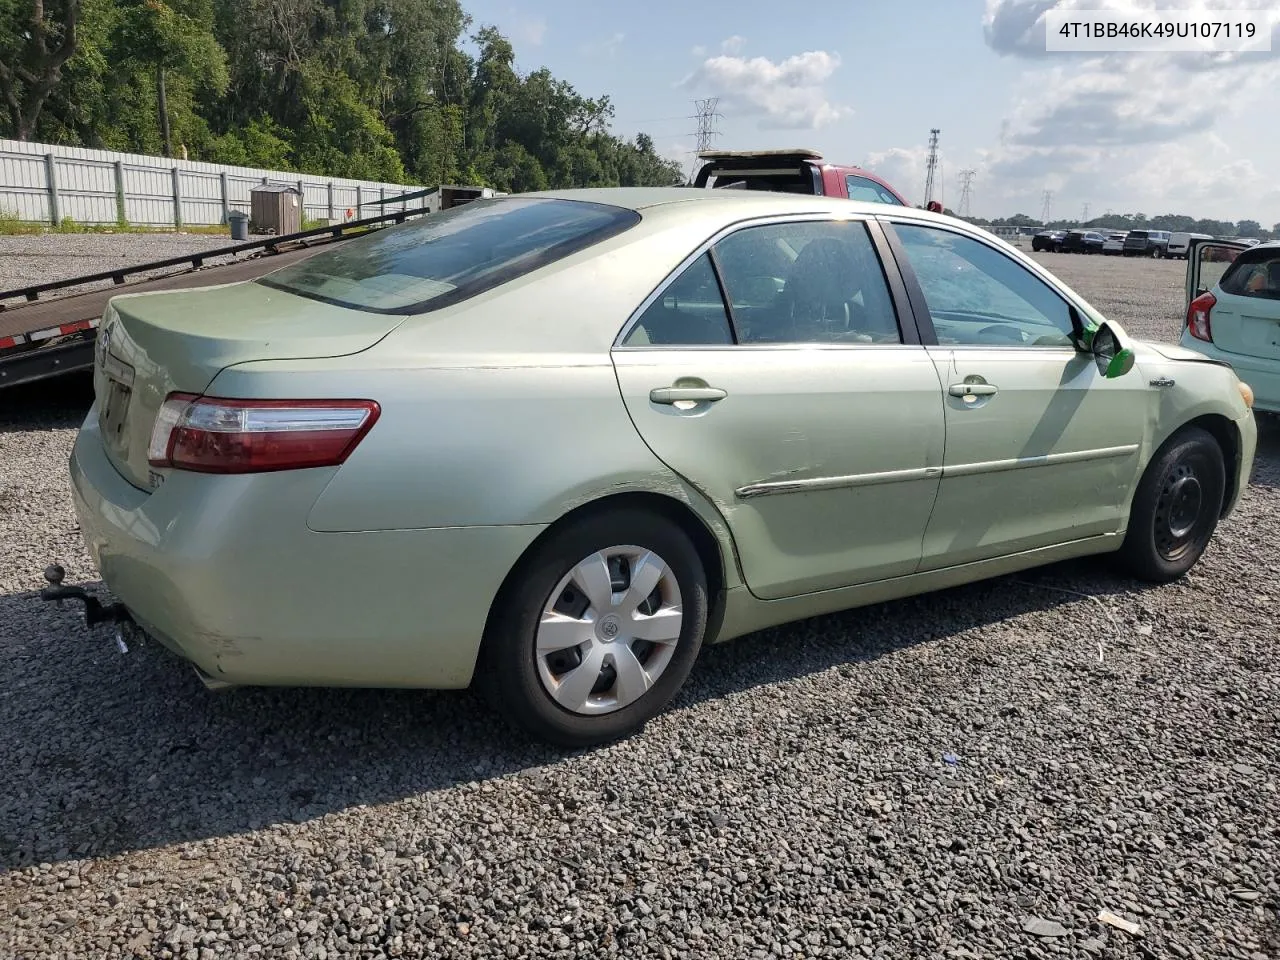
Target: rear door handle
[(972, 389), (676, 394)]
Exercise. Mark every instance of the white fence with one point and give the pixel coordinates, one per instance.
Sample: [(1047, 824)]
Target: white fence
[(45, 183)]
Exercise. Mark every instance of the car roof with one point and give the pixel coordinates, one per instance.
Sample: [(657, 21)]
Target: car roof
[(698, 201)]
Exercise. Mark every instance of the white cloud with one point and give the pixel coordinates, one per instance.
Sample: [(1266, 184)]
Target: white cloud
[(788, 95), (606, 47), (531, 30), (1127, 130), (903, 167), (733, 44), (699, 51)]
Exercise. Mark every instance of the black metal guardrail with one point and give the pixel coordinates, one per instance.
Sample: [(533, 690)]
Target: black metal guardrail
[(32, 293)]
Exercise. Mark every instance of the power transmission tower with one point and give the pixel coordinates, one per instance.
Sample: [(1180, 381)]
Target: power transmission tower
[(1084, 216), (1048, 204), (931, 165), (966, 190), (706, 115)]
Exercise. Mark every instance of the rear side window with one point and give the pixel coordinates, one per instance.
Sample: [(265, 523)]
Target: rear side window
[(689, 312), (860, 188), (1254, 274), (793, 282), (452, 255)]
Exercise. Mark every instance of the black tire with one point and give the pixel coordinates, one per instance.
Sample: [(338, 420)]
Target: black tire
[(508, 670), (1176, 507)]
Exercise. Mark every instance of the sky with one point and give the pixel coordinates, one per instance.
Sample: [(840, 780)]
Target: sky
[(864, 81)]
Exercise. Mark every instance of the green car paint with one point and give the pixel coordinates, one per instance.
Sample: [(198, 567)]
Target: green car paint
[(825, 477)]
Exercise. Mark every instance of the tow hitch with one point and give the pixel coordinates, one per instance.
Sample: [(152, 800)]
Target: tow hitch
[(95, 611)]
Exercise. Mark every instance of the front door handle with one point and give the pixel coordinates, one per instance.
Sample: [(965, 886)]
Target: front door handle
[(971, 389), (677, 394)]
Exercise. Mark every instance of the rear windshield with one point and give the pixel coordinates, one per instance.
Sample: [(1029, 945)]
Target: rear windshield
[(1137, 234), (446, 257), (1255, 273)]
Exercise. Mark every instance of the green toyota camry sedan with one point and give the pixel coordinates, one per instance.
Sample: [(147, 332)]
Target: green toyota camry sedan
[(551, 444)]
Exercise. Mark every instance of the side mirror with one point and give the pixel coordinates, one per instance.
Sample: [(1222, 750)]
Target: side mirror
[(1113, 360)]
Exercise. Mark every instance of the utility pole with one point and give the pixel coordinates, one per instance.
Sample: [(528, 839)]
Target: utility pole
[(1084, 216), (706, 115), (1048, 204), (966, 190), (931, 165)]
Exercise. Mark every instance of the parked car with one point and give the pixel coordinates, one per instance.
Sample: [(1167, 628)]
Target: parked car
[(1233, 311), (1113, 244), (1048, 241), (1083, 241), (551, 444), (1180, 243), (1146, 243)]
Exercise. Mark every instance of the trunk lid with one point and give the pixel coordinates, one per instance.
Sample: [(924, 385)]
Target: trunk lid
[(1249, 326), (153, 344)]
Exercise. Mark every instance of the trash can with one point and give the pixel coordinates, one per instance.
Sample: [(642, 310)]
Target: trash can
[(239, 221)]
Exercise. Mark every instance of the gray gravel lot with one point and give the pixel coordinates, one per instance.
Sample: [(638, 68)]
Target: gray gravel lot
[(799, 800), (37, 258)]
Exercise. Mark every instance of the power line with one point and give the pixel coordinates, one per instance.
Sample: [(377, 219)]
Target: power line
[(931, 165), (1048, 205), (966, 190)]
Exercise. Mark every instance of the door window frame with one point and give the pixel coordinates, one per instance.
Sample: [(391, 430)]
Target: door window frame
[(920, 304), (907, 317)]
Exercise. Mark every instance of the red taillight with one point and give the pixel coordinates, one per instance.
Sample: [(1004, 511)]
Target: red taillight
[(1198, 317), (216, 435)]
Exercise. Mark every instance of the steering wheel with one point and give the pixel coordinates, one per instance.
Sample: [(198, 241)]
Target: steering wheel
[(1004, 331)]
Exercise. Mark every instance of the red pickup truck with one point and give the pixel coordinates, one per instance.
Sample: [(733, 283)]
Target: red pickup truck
[(792, 171)]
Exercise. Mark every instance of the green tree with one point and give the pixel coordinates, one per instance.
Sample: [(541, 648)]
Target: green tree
[(36, 40), (172, 38)]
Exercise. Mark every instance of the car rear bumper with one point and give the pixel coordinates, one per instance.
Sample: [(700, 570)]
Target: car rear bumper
[(1262, 376), (224, 572)]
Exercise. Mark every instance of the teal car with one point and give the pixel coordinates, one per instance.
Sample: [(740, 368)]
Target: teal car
[(1233, 311), (550, 445)]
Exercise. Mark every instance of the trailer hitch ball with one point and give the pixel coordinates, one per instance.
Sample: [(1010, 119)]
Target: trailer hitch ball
[(55, 574), (94, 610)]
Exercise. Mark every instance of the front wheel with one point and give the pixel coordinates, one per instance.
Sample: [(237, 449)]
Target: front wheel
[(598, 629), (1175, 508)]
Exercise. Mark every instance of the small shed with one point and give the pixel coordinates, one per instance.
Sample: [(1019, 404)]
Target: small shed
[(276, 208)]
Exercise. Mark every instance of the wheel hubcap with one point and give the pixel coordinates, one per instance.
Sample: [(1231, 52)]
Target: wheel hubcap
[(1178, 512), (608, 630)]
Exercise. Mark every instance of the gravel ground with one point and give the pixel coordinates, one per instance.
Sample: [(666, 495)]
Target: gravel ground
[(39, 258), (957, 775)]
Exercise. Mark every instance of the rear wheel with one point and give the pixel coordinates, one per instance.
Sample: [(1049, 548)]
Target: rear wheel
[(598, 629), (1176, 507)]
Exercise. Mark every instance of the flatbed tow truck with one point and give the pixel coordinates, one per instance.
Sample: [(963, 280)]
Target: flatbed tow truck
[(794, 170), (48, 329)]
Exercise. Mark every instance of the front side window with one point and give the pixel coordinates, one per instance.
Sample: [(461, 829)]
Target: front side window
[(861, 188), (452, 255), (1255, 273), (978, 296)]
